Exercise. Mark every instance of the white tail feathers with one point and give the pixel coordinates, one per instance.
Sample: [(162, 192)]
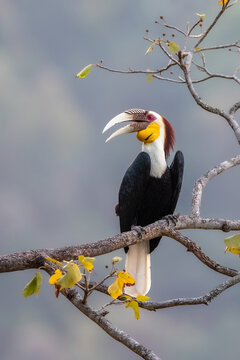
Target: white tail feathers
[(138, 265)]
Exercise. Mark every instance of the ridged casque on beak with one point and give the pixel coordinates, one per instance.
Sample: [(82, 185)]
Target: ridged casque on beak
[(136, 116)]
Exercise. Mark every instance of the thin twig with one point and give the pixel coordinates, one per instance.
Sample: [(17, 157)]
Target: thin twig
[(224, 7)]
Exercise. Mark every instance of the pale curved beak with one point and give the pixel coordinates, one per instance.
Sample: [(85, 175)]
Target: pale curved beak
[(137, 124)]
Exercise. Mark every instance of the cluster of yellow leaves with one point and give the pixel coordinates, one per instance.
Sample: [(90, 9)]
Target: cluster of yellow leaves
[(66, 277), (72, 273), (123, 278), (70, 278), (233, 244), (116, 289)]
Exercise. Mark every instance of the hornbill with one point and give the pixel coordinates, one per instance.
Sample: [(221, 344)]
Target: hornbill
[(149, 190)]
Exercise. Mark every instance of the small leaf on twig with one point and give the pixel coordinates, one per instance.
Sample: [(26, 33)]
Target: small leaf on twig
[(134, 305), (85, 71), (116, 259), (150, 76), (87, 262), (53, 260), (33, 285), (173, 47), (142, 298), (150, 49), (202, 16)]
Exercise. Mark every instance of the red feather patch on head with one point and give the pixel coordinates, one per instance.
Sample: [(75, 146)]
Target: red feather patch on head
[(170, 137)]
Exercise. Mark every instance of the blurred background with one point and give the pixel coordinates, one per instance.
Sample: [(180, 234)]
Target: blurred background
[(59, 180)]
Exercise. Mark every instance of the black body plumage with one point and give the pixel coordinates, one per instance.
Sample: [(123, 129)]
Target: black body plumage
[(144, 199)]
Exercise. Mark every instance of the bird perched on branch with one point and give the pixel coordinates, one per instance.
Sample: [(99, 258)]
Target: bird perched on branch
[(149, 190)]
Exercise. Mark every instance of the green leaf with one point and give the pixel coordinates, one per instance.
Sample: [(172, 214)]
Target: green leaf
[(72, 276), (85, 71), (173, 47), (233, 244), (33, 285)]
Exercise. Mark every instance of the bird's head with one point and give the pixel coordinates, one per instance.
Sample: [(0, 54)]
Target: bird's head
[(149, 126)]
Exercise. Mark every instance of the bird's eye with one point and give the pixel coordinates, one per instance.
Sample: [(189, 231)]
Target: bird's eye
[(150, 117)]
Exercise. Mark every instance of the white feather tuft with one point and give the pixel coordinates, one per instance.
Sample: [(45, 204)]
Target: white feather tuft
[(139, 266)]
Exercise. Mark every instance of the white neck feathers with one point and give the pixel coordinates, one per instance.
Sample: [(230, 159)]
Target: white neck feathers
[(157, 155)]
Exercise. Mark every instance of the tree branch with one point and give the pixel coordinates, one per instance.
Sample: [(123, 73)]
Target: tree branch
[(200, 300), (186, 65), (224, 7), (98, 317), (204, 180)]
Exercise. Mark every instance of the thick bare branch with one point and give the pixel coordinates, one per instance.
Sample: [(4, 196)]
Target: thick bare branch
[(98, 317), (35, 258), (197, 251)]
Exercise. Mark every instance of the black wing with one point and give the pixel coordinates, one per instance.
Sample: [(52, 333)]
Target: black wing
[(132, 191), (176, 170)]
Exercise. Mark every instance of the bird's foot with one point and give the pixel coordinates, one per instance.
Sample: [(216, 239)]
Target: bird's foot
[(171, 219), (139, 230)]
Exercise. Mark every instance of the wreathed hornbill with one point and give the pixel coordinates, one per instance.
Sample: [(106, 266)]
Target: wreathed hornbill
[(149, 190)]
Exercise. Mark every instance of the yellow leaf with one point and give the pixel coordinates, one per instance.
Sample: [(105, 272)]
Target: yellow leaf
[(87, 262), (54, 278), (173, 47), (33, 285), (134, 305), (150, 77), (202, 16), (85, 71), (233, 244), (116, 259), (72, 276), (150, 48), (126, 278), (142, 298), (116, 288), (53, 260), (123, 278)]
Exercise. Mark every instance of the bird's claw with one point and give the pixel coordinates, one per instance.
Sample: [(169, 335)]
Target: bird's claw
[(171, 219), (139, 230)]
